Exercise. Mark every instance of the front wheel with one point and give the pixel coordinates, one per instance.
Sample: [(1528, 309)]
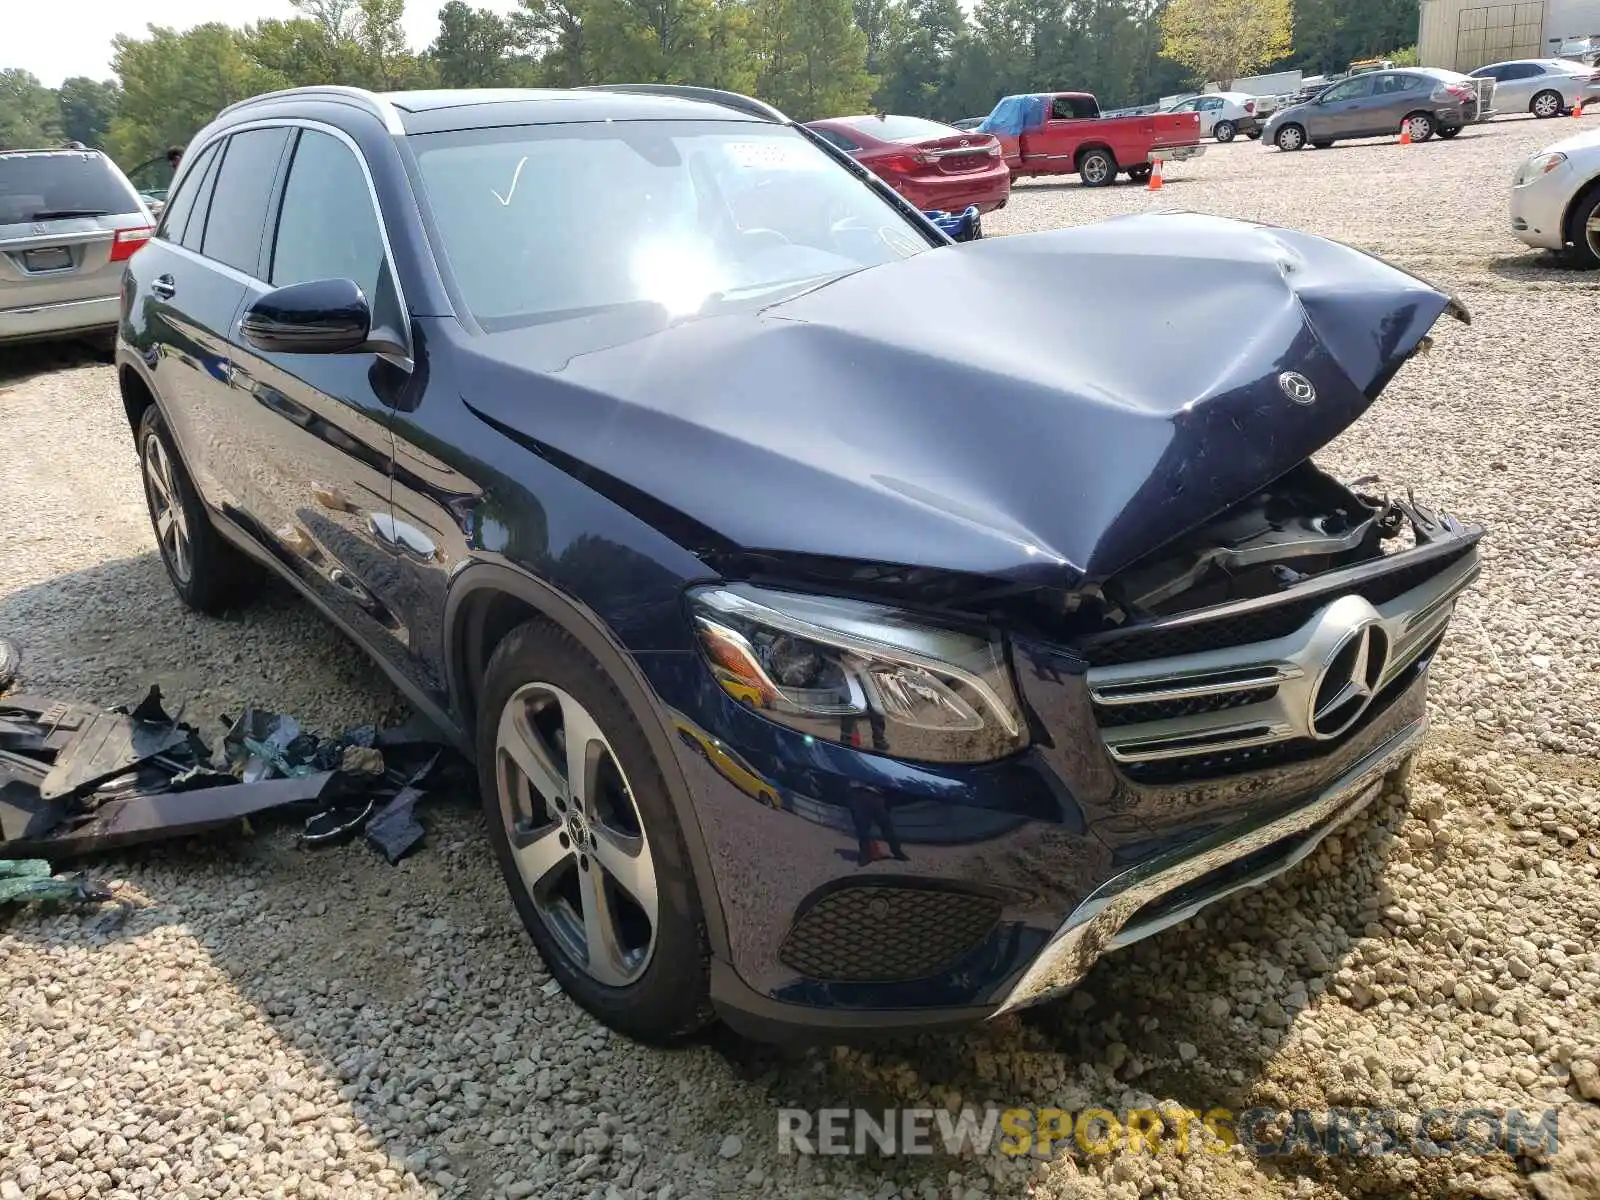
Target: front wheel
[(1449, 131), (1420, 126), (587, 838), (1291, 137), (1583, 232), (1224, 131), (208, 574), (1097, 169), (1546, 104)]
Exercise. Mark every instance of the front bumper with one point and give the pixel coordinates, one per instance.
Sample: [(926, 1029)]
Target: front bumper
[(1169, 890), (862, 893), (64, 319), (1539, 208)]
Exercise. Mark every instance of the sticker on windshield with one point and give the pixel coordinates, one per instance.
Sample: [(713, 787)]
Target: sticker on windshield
[(775, 154)]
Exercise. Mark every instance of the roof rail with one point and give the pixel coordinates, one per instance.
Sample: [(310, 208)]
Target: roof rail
[(745, 104), (371, 101)]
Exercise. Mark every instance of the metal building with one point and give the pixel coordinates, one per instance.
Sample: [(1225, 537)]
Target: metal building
[(1462, 35)]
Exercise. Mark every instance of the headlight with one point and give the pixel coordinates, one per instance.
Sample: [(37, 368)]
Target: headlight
[(861, 674), (1539, 164)]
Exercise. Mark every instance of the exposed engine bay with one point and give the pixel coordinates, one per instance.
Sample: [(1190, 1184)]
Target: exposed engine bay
[(1298, 527)]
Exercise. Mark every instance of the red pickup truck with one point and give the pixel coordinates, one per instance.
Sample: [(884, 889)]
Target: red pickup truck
[(1063, 133)]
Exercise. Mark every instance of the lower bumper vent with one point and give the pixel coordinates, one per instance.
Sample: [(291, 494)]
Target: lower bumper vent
[(887, 934)]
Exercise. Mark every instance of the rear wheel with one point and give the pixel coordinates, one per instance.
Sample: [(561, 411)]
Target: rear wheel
[(1321, 144), (1224, 131), (1097, 168), (1546, 104), (208, 574), (1291, 137), (1139, 174), (1583, 231), (1449, 131), (1420, 125), (587, 839), (1254, 135)]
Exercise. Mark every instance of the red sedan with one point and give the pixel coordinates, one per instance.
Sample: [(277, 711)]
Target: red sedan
[(931, 165)]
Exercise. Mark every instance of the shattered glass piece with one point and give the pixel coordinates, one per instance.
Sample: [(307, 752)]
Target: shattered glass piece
[(30, 879)]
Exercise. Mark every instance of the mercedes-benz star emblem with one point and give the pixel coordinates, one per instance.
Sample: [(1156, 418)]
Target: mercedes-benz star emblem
[(1297, 387), (1349, 681)]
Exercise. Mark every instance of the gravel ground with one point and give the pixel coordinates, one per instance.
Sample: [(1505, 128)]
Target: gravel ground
[(260, 1021)]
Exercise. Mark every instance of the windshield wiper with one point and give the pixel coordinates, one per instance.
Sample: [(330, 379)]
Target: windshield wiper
[(57, 214)]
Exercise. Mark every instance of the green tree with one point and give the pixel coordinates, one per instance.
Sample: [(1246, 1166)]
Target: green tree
[(87, 106), (174, 83), (389, 65), (877, 20), (919, 64), (1223, 40), (558, 32), (1331, 34), (28, 112), (812, 58), (475, 48), (304, 51)]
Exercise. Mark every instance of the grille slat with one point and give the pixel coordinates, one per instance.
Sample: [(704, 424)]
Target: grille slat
[(1260, 625)]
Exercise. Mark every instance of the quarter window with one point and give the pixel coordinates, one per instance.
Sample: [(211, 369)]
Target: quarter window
[(327, 228), (194, 231), (241, 196)]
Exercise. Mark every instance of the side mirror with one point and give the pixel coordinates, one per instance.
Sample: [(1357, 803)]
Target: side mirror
[(324, 316)]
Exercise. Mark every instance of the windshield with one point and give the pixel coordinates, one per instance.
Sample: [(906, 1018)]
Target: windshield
[(544, 222), (39, 186)]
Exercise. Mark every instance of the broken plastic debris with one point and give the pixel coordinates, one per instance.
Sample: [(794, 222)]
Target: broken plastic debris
[(27, 879)]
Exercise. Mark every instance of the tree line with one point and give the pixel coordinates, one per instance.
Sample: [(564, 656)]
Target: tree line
[(811, 58)]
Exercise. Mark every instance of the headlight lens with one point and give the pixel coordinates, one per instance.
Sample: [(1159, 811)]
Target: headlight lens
[(861, 674), (1540, 164)]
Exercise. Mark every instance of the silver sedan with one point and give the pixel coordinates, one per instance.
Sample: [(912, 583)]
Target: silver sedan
[(1546, 87)]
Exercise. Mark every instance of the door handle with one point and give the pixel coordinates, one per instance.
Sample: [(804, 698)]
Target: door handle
[(164, 286)]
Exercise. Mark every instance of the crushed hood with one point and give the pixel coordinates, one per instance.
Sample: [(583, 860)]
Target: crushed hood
[(1042, 408)]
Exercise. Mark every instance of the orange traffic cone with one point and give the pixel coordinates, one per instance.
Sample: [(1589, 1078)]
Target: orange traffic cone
[(1577, 107), (1405, 134), (1155, 177)]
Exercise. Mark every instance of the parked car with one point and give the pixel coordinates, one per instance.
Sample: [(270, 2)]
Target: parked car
[(1546, 87), (1424, 100), (1555, 199), (69, 219), (616, 424), (1063, 133), (1223, 115), (967, 123), (935, 166)]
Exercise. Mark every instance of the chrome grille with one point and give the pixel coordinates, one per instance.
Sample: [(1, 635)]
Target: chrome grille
[(1227, 708)]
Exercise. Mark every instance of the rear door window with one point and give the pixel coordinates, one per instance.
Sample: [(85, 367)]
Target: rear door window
[(175, 220), (55, 184), (241, 196)]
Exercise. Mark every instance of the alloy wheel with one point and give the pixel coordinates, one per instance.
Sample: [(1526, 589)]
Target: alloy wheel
[(1546, 104), (1591, 232), (576, 834), (1095, 169), (166, 509)]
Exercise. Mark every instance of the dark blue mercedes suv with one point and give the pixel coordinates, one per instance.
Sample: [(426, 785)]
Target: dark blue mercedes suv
[(852, 629)]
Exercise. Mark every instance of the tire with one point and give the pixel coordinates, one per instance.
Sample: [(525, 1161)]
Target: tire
[(1224, 131), (206, 571), (1139, 174), (1583, 231), (1321, 144), (1291, 138), (1547, 104), (1422, 126), (649, 980), (1254, 135), (1096, 168), (1449, 131)]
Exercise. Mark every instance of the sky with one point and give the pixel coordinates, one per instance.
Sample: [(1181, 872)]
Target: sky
[(56, 39)]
